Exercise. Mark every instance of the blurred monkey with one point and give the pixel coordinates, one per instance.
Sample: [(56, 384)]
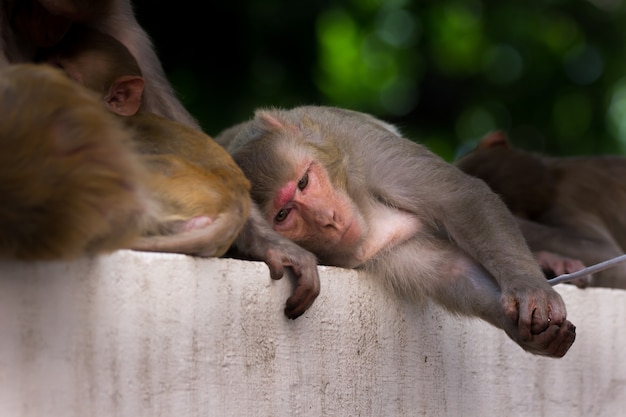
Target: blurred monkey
[(572, 206), (203, 197), (184, 192), (69, 184)]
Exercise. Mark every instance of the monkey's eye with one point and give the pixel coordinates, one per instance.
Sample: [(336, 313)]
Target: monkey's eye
[(281, 216), (304, 181)]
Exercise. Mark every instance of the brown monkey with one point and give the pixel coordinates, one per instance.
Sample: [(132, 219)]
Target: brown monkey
[(170, 184), (349, 188), (69, 184), (203, 196), (27, 25), (572, 206), (103, 64)]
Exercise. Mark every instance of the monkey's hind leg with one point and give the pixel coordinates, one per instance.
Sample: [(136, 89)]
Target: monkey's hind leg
[(199, 236)]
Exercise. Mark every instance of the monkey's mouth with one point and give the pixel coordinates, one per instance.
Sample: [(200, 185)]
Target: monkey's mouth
[(351, 234)]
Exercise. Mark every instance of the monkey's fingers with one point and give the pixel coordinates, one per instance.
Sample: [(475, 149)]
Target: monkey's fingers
[(306, 291), (554, 342)]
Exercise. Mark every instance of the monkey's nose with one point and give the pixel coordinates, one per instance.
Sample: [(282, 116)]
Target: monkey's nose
[(325, 217)]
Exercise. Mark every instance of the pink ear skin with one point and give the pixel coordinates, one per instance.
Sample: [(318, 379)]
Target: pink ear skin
[(125, 95)]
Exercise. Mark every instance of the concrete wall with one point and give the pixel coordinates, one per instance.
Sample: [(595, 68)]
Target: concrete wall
[(140, 334)]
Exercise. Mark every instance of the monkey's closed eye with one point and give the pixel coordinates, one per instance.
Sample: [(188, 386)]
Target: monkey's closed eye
[(304, 181), (282, 215)]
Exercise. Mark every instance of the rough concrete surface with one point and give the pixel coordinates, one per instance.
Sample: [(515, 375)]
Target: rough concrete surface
[(144, 334)]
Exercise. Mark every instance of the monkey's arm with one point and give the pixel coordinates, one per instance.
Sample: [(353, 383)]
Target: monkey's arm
[(411, 178), (260, 241)]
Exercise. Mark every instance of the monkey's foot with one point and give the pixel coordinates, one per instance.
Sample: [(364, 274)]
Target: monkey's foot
[(554, 265)]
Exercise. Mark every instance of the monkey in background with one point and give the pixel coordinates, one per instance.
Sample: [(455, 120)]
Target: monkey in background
[(202, 195), (571, 206), (103, 64), (349, 188), (27, 25), (69, 184), (176, 189)]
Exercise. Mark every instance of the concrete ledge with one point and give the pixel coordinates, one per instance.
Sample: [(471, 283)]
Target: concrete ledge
[(141, 334)]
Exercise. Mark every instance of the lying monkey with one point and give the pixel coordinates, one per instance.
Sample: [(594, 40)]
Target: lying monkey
[(349, 188)]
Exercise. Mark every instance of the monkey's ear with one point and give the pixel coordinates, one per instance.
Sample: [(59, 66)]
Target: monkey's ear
[(494, 139), (124, 97), (269, 120)]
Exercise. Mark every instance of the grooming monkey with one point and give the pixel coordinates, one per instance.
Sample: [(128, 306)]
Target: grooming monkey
[(203, 196), (349, 188), (69, 184), (571, 206), (173, 186)]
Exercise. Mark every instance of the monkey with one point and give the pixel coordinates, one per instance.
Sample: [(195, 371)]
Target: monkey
[(203, 196), (101, 63), (191, 197), (27, 25), (69, 184), (571, 206), (352, 190)]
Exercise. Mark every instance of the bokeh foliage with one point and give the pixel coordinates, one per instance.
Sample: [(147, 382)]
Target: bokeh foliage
[(552, 73)]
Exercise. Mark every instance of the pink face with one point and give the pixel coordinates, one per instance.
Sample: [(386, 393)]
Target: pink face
[(311, 212)]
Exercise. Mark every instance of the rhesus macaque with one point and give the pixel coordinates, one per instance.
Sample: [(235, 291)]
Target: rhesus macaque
[(349, 188), (101, 63), (202, 194), (27, 25), (147, 184), (69, 184), (571, 206)]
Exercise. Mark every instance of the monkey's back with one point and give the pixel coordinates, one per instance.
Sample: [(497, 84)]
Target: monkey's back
[(191, 174)]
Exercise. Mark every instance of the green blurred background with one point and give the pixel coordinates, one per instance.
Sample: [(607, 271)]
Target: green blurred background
[(551, 73)]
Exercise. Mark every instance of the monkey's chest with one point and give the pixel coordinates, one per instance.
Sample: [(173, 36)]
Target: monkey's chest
[(388, 227)]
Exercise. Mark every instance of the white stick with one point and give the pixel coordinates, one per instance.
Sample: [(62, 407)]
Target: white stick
[(589, 270)]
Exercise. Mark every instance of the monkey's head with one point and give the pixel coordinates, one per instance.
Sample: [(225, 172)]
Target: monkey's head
[(520, 178), (299, 183)]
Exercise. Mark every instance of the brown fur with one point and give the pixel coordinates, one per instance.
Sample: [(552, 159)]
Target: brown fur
[(191, 177), (572, 206), (69, 183)]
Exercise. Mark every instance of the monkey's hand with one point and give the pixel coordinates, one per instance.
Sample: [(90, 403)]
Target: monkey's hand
[(554, 265), (304, 266), (537, 320), (259, 241)]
